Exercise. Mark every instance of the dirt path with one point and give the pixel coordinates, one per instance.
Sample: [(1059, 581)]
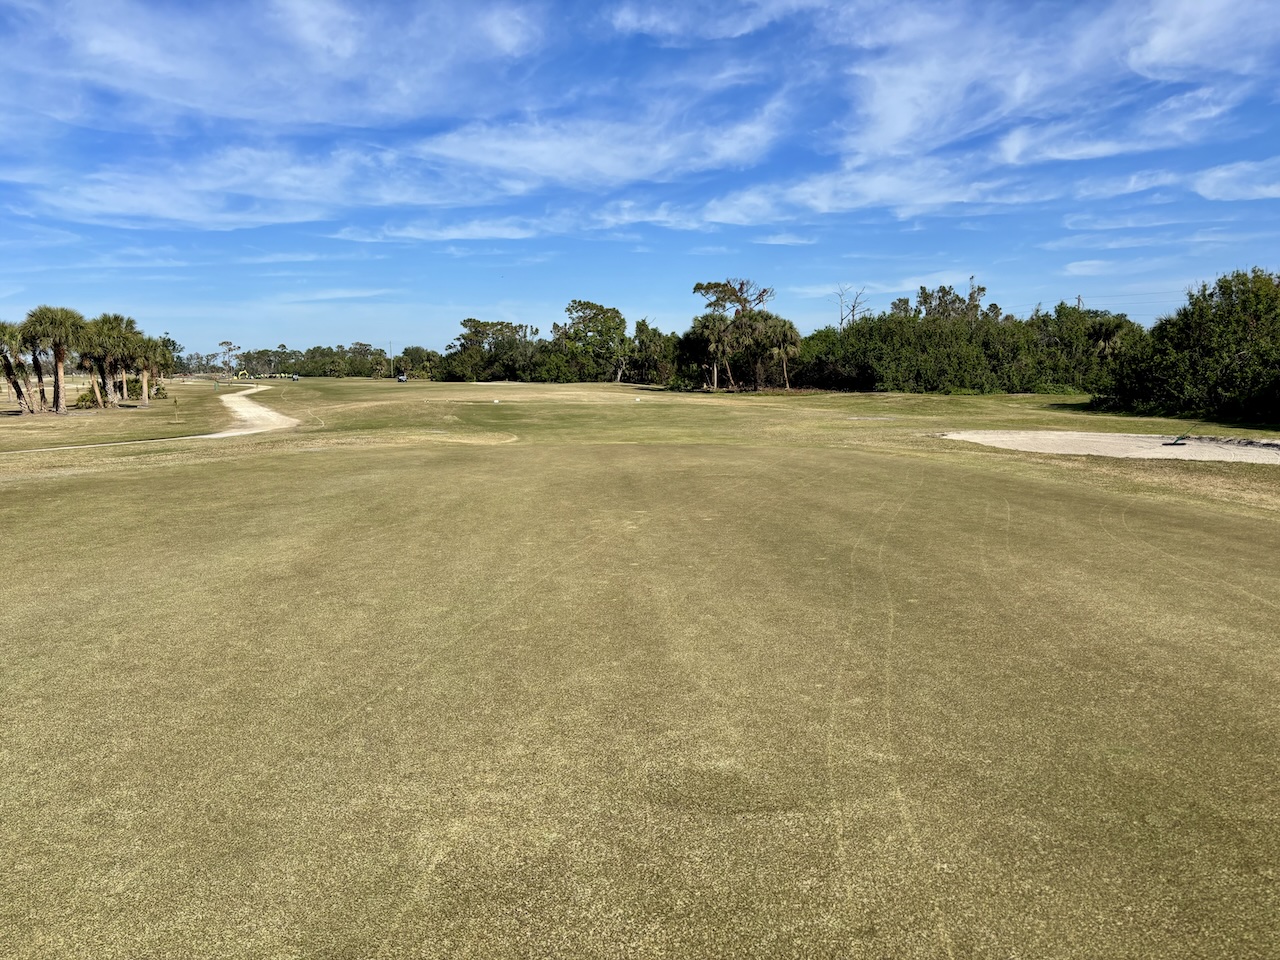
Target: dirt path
[(250, 417), (1125, 445)]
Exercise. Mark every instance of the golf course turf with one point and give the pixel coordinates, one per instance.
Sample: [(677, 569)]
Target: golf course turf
[(572, 675)]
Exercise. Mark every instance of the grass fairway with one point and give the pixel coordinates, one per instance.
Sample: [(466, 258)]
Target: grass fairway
[(574, 675)]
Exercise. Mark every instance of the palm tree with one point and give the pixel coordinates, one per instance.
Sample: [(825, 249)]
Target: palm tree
[(93, 359), (783, 339), (151, 357), (1104, 333), (36, 345), (719, 332), (110, 341), (63, 330), (14, 367)]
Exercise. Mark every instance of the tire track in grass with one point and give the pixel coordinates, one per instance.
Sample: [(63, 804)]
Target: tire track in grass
[(458, 825), (905, 815), (841, 668), (1172, 560), (890, 751)]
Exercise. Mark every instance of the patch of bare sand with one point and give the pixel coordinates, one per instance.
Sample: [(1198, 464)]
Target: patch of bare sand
[(1134, 446)]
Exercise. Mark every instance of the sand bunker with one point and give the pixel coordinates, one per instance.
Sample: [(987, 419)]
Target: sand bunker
[(1128, 445)]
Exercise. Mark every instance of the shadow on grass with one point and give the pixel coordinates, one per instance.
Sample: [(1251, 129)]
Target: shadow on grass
[(1089, 407), (1079, 406)]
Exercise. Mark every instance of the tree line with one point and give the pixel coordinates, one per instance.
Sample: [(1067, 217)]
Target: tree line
[(120, 360), (1216, 357)]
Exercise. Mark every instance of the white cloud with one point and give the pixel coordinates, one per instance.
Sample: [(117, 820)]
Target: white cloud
[(621, 213), (1109, 268), (1197, 238), (687, 21), (1246, 180), (1172, 39), (1102, 188), (786, 240), (1123, 221), (324, 27), (506, 228), (906, 186), (512, 29), (337, 293), (1193, 115), (289, 61), (586, 152)]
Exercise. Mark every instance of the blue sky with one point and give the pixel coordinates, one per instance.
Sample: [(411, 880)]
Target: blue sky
[(326, 171)]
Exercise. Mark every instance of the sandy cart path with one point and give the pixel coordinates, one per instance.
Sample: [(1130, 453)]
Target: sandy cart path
[(251, 416)]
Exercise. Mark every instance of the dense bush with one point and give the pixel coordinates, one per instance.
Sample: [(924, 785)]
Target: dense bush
[(947, 343), (1218, 356)]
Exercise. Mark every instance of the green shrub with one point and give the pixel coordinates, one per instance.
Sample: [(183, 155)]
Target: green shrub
[(158, 392), (683, 383), (85, 401)]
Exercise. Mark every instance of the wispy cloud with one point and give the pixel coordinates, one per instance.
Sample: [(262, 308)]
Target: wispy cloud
[(1246, 180), (1174, 39), (590, 152), (691, 21), (1111, 268), (1139, 181), (507, 228), (286, 61), (337, 293), (786, 240)]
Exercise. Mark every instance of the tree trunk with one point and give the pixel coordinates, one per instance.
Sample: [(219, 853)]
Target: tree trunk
[(39, 369), (11, 375), (715, 375), (108, 383), (729, 370), (59, 380), (146, 396), (97, 394), (785, 379)]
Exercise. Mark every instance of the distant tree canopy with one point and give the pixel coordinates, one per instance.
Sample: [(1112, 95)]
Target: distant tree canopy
[(1217, 356)]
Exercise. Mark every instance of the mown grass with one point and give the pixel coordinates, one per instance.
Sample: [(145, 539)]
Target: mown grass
[(198, 409), (572, 675)]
